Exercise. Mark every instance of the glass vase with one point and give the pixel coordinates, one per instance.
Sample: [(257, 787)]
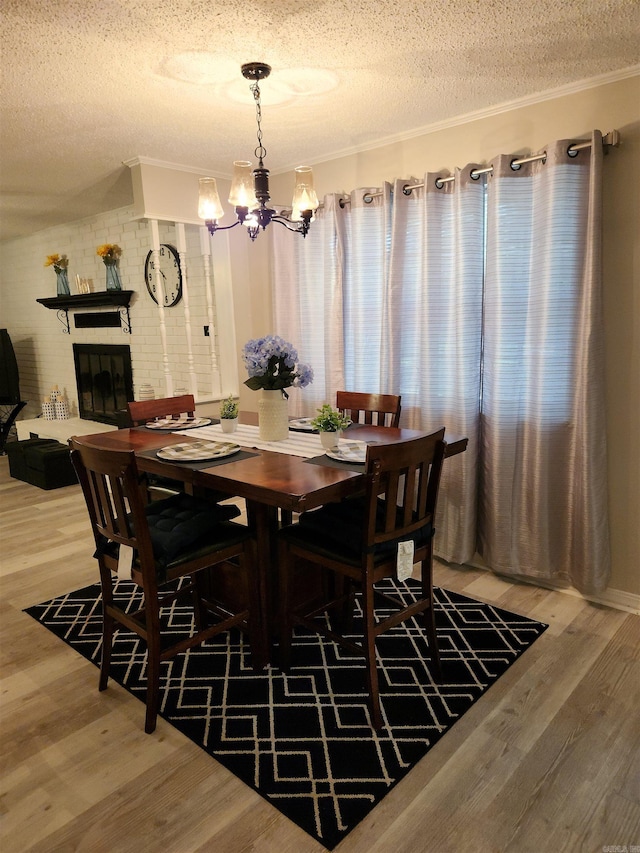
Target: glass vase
[(62, 283), (113, 277), (273, 416)]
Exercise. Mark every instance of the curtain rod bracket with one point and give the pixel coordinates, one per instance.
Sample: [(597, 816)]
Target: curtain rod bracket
[(611, 139)]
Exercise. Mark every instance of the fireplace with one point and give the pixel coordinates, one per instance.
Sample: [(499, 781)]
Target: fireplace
[(104, 380)]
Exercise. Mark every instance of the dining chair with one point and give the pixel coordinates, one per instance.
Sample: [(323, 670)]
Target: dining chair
[(380, 409), (156, 545), (142, 411), (361, 541)]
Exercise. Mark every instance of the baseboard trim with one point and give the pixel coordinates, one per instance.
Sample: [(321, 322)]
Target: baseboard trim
[(618, 599)]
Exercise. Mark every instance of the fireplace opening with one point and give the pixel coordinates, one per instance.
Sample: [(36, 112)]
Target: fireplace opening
[(104, 380)]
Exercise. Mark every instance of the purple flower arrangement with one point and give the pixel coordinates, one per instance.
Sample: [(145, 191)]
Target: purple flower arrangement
[(272, 365)]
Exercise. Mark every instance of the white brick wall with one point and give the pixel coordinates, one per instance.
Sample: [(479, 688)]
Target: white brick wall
[(44, 353)]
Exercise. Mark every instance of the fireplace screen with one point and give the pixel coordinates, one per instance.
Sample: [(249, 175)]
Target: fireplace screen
[(104, 379)]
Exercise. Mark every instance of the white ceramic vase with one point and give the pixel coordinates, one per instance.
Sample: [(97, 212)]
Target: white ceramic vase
[(49, 410), (330, 439), (273, 416), (61, 409), (228, 424)]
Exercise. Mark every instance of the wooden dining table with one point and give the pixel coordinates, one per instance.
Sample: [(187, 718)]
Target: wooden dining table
[(268, 480)]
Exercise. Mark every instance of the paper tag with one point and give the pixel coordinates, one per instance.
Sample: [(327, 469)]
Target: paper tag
[(404, 563), (125, 561)]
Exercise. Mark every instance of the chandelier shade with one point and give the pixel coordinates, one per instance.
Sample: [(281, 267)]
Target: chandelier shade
[(249, 193), (304, 194), (242, 192), (209, 206)]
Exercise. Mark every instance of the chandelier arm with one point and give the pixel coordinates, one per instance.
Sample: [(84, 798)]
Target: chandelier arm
[(212, 226), (298, 228)]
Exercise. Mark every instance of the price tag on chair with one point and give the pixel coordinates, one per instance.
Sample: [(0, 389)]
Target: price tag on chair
[(125, 561), (404, 562)]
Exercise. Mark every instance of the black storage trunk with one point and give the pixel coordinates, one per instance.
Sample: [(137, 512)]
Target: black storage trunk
[(49, 466), (16, 451)]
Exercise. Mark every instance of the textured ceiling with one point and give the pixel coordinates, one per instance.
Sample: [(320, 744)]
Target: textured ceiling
[(88, 84)]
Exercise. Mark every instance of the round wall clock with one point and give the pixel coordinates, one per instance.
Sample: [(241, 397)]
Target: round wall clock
[(169, 268)]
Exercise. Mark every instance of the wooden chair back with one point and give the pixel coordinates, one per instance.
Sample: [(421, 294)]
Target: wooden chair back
[(115, 494), (407, 475), (142, 411), (377, 409)]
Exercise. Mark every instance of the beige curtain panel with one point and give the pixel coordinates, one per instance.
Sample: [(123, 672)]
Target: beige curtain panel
[(479, 300)]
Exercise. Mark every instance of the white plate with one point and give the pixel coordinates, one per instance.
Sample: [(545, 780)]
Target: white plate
[(197, 451), (183, 422), (349, 451), (303, 424)]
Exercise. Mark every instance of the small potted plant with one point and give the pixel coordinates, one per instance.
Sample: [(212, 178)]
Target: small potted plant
[(229, 415), (330, 422)]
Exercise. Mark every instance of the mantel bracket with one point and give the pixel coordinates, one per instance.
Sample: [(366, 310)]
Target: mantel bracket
[(125, 320), (63, 316)]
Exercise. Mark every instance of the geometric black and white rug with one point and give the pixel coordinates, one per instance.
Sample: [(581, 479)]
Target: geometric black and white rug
[(303, 740)]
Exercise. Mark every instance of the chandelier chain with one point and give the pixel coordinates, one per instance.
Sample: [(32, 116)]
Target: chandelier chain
[(261, 151)]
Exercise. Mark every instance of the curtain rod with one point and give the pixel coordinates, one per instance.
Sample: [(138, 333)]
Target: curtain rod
[(611, 139)]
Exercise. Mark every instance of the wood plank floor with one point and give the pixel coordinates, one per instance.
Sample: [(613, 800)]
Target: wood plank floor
[(547, 760)]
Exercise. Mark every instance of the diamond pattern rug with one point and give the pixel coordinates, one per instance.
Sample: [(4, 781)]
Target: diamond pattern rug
[(303, 740)]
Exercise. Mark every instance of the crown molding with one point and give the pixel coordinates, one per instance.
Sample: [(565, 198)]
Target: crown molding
[(487, 112), (176, 167)]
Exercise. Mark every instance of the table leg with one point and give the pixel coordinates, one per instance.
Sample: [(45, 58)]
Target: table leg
[(263, 520)]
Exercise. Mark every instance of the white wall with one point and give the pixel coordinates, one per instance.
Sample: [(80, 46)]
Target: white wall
[(44, 353)]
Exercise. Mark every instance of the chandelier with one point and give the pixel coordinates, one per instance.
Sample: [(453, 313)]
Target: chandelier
[(249, 192)]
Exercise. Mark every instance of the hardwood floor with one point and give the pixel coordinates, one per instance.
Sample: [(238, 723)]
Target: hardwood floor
[(547, 760)]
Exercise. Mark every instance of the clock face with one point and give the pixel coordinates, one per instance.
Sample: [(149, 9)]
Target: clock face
[(167, 263)]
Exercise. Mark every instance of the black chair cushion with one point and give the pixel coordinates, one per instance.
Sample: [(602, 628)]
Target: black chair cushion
[(337, 528), (179, 523)]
